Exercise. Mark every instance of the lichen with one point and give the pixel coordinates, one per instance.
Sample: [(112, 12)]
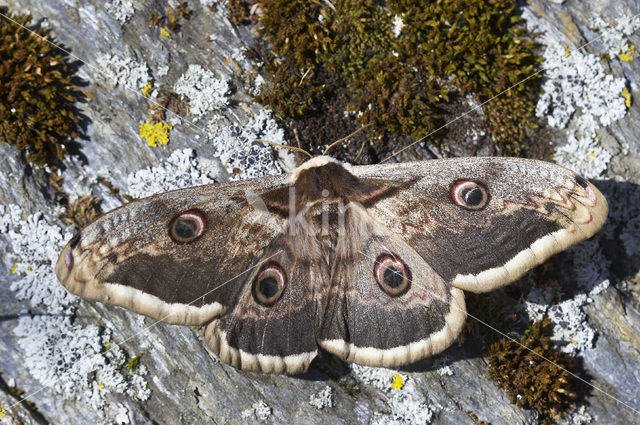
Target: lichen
[(181, 169), (148, 88), (205, 92), (37, 95), (66, 358), (530, 380), (155, 133), (578, 94), (406, 405), (258, 411), (615, 35), (395, 65), (240, 153), (123, 71), (121, 10), (322, 399)]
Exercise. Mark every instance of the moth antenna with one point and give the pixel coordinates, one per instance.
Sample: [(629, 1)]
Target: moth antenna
[(295, 133), (345, 138), (293, 148), (360, 151)]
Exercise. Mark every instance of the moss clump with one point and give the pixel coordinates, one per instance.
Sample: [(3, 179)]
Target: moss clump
[(397, 65), (530, 380), (133, 362), (82, 212), (37, 98)]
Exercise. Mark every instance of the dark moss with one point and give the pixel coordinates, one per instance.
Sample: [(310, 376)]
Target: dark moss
[(37, 96), (534, 380), (404, 85), (167, 101), (82, 212)]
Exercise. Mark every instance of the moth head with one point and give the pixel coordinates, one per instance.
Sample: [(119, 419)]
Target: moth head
[(269, 284), (187, 226), (470, 194), (392, 274)]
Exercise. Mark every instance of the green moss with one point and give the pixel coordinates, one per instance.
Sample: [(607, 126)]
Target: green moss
[(37, 98), (346, 52), (133, 361), (530, 380)]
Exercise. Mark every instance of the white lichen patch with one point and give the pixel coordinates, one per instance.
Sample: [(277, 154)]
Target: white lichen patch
[(125, 72), (580, 96), (35, 245), (258, 410), (322, 399), (396, 26), (537, 302), (65, 358), (570, 328), (241, 154), (204, 92), (579, 416), (583, 155), (615, 36), (571, 331), (406, 405), (181, 169), (73, 361), (121, 10)]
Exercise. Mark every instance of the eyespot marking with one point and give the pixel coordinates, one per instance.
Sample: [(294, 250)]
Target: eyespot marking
[(187, 227), (469, 194), (269, 284), (392, 274)]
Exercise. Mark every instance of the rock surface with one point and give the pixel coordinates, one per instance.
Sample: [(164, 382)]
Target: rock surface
[(187, 383)]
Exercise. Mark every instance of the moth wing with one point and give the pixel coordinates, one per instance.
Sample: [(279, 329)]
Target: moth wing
[(129, 257), (534, 209), (386, 306)]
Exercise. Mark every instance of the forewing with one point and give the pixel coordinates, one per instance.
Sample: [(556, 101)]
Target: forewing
[(534, 210), (130, 257)]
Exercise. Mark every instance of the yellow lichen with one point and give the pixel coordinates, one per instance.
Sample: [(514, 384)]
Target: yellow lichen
[(398, 382), (2, 412), (147, 88), (627, 56), (155, 133), (101, 385), (627, 97), (165, 33), (567, 52), (14, 269)]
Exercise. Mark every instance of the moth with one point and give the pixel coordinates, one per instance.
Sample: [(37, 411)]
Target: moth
[(366, 262)]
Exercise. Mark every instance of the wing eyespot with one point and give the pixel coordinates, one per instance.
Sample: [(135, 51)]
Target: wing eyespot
[(469, 194), (392, 274), (187, 227), (269, 284)]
